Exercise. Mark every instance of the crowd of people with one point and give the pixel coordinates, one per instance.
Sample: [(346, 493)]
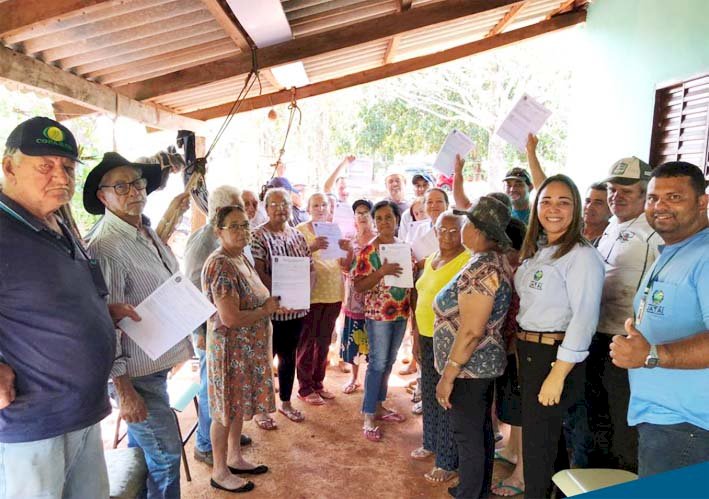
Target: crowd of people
[(566, 317)]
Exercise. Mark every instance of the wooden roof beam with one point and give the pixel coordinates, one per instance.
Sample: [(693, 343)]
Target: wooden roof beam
[(506, 19), (391, 49), (310, 46), (21, 14), (566, 4), (398, 68), (226, 19), (35, 74)]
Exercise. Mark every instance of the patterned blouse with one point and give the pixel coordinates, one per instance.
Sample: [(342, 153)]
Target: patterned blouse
[(290, 242), (382, 303), (487, 274), (353, 306)]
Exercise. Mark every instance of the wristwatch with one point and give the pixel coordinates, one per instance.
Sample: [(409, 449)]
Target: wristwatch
[(652, 359)]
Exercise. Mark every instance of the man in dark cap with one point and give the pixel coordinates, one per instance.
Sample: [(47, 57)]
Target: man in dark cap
[(135, 263), (57, 340)]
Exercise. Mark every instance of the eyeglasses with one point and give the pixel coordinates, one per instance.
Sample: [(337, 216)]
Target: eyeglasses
[(123, 188), (235, 226), (276, 206), (448, 232)]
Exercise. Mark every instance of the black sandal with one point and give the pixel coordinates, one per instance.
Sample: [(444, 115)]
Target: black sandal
[(248, 486)]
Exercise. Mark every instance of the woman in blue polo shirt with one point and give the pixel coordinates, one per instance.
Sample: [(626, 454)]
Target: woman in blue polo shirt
[(559, 284)]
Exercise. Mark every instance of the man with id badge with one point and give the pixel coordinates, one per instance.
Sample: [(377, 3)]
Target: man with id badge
[(57, 339), (667, 345)]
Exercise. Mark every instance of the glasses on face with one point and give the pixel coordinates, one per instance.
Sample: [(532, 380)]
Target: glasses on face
[(237, 226), (448, 232), (123, 188), (278, 206)]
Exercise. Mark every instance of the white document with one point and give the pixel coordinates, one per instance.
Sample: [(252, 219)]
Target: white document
[(359, 174), (457, 143), (333, 234), (413, 228), (527, 116), (168, 315), (344, 218), (398, 253), (290, 281), (424, 244)]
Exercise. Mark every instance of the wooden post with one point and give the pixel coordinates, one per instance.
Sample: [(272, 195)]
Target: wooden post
[(199, 219)]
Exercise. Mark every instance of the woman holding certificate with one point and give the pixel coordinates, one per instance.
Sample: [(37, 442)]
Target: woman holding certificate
[(273, 239), (238, 366), (387, 310)]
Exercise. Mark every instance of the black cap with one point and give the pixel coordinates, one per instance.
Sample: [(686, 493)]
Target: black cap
[(491, 216), (362, 202), (281, 182), (112, 160), (40, 136), (519, 174)]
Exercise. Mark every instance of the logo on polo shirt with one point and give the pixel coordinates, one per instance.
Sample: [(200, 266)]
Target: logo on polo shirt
[(656, 306), (625, 235), (536, 278)]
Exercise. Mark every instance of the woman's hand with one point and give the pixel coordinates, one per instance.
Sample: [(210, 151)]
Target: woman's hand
[(320, 243), (391, 269), (345, 245), (270, 306), (552, 388), (443, 392)]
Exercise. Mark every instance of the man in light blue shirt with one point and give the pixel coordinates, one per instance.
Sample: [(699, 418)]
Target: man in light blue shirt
[(666, 349)]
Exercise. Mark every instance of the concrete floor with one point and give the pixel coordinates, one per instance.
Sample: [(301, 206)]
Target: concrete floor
[(326, 456)]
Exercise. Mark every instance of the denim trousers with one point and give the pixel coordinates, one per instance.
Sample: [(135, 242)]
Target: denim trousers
[(667, 447), (158, 437), (384, 341), (204, 441), (69, 466)]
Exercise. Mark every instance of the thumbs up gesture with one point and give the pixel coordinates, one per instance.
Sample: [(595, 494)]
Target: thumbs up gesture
[(629, 351)]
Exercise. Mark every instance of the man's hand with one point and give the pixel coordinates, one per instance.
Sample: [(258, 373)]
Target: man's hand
[(7, 386), (458, 166), (132, 406), (532, 142), (629, 352), (551, 390), (120, 310)]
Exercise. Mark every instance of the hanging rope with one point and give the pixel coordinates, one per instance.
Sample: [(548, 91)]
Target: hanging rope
[(292, 108)]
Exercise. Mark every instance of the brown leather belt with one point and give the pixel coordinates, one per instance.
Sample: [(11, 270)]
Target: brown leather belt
[(543, 338)]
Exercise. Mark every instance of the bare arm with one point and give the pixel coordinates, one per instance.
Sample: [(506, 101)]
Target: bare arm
[(538, 175), (232, 317), (330, 181), (461, 200)]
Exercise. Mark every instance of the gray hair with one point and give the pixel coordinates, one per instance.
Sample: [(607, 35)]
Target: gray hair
[(449, 214), (224, 195), (276, 190)]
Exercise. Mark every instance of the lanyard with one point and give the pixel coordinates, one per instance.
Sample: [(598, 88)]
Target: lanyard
[(654, 276)]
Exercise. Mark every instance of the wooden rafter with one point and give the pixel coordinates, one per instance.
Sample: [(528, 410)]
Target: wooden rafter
[(20, 14), (35, 74), (566, 4), (228, 22), (506, 19), (394, 69), (310, 46), (391, 49)]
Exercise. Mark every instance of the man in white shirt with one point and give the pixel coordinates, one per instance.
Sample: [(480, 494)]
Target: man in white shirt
[(628, 248)]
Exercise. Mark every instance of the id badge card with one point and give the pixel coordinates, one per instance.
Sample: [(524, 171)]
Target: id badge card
[(641, 310)]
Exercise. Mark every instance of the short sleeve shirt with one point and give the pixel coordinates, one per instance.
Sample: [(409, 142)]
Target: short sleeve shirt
[(486, 274), (329, 286), (382, 303)]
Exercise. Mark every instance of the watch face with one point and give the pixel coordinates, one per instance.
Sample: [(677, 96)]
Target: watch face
[(651, 362)]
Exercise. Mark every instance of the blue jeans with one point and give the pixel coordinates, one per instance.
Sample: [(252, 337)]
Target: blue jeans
[(384, 342), (158, 437), (70, 466), (204, 441), (667, 447)]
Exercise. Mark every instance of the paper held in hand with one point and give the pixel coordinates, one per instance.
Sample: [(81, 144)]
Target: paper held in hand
[(398, 253), (359, 174), (333, 234), (456, 143), (424, 244), (344, 218), (168, 315), (527, 116), (290, 281)]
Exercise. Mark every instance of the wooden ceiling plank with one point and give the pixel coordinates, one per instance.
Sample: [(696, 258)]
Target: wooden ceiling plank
[(391, 49), (506, 19), (298, 49), (18, 15), (329, 9), (566, 4), (65, 110), (229, 23), (510, 37), (320, 24), (268, 75), (30, 72), (291, 5)]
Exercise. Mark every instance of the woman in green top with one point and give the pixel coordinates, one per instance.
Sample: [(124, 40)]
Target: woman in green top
[(439, 269)]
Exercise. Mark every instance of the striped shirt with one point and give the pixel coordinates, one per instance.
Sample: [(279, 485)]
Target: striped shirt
[(290, 242), (134, 266)]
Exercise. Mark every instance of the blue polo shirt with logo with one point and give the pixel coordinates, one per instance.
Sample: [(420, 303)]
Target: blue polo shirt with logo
[(55, 330), (677, 307)]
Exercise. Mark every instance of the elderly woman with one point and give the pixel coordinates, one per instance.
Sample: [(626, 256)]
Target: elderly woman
[(387, 311), (277, 238), (468, 345), (438, 270), (559, 284), (238, 364), (353, 344)]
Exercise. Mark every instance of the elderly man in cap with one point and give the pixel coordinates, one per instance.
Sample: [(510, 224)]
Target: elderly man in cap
[(135, 262), (57, 340)]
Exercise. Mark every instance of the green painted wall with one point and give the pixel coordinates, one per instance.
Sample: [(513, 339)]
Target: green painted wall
[(629, 47)]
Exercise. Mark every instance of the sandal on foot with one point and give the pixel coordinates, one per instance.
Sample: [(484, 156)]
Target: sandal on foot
[(501, 485), (266, 424), (392, 417), (293, 414), (373, 434), (500, 457), (408, 370), (439, 475), (312, 399), (421, 453), (350, 388), (325, 394)]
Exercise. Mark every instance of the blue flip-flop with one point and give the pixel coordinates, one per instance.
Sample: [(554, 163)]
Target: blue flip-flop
[(500, 457)]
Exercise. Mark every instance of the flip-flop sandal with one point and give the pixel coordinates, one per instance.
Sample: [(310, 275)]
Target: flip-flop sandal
[(266, 424), (373, 434), (293, 414), (312, 399), (350, 388), (445, 475), (501, 485), (420, 454), (326, 395), (392, 417), (500, 457)]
